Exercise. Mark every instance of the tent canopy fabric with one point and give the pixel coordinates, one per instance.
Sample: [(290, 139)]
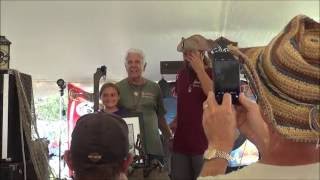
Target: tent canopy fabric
[(70, 39)]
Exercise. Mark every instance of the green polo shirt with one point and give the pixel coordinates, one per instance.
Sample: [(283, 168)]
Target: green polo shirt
[(147, 99)]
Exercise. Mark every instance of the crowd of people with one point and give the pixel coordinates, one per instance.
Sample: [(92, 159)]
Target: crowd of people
[(284, 123)]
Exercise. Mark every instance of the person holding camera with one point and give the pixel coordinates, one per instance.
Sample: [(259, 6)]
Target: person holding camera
[(192, 86), (285, 124)]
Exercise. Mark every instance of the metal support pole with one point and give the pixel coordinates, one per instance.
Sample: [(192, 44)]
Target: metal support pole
[(62, 85)]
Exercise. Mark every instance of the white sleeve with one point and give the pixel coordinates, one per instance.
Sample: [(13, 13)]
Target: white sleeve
[(205, 178)]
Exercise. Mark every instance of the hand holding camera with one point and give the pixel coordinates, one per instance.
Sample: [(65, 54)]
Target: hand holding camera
[(219, 122)]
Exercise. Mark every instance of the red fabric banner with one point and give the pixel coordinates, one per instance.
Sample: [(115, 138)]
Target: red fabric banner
[(79, 103)]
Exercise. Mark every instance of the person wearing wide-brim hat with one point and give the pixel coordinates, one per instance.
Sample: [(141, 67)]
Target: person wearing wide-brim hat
[(192, 85), (285, 124)]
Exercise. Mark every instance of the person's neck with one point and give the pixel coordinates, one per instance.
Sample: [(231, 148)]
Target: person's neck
[(122, 176), (136, 81), (111, 110), (285, 152)]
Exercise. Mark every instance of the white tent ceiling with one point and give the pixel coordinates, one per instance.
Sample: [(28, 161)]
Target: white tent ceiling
[(70, 39)]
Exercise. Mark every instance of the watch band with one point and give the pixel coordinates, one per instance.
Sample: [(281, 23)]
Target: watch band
[(214, 153)]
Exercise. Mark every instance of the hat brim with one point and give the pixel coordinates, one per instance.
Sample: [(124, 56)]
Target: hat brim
[(293, 125), (208, 47)]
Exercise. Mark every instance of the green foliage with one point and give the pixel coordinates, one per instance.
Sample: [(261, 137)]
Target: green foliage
[(48, 108)]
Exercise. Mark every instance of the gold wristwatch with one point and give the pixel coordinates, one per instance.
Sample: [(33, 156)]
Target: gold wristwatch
[(214, 153)]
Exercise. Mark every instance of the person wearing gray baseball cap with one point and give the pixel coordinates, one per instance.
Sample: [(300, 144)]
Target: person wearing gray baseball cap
[(99, 148), (192, 86)]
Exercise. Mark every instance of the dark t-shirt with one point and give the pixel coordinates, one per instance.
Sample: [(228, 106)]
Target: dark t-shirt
[(189, 137), (121, 112)]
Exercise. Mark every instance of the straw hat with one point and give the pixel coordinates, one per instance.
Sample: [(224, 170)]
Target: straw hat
[(285, 76)]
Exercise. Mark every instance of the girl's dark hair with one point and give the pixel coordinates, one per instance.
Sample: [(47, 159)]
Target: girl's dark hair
[(107, 85)]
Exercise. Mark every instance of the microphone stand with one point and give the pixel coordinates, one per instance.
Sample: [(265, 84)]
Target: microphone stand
[(62, 85), (101, 72)]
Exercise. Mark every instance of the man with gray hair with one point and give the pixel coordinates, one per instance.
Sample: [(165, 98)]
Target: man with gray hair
[(138, 94)]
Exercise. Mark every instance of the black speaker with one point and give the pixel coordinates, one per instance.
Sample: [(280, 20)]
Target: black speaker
[(11, 171), (10, 131), (170, 67)]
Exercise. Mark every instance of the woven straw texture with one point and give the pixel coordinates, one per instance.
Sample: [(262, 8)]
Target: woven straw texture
[(285, 76)]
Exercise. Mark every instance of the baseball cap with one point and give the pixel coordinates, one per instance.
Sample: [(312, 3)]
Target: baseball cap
[(99, 138)]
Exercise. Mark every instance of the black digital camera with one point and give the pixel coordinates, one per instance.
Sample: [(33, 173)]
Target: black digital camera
[(226, 73)]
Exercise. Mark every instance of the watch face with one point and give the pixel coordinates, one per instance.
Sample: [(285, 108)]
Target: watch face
[(209, 154)]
